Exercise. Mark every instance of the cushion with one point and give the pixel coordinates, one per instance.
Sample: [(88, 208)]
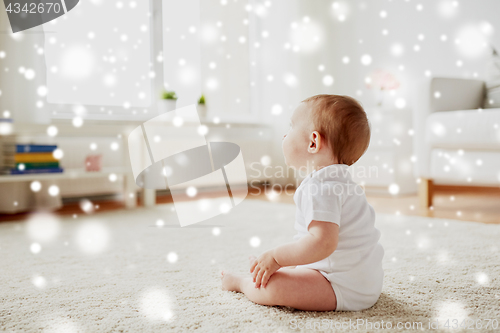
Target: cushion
[(465, 129)]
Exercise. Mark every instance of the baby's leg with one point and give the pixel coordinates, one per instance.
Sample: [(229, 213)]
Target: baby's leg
[(299, 288)]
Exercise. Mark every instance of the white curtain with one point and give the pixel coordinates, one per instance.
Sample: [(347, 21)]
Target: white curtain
[(22, 73)]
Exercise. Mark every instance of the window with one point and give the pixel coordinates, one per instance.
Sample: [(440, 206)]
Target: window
[(115, 69), (99, 67)]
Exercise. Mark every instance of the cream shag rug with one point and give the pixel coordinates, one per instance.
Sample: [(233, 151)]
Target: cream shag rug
[(119, 272)]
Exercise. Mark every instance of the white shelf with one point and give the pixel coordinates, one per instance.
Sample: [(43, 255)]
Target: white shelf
[(66, 174)]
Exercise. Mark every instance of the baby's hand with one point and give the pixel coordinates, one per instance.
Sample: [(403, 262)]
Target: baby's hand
[(263, 267)]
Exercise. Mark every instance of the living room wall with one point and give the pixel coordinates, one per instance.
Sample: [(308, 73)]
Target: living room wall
[(404, 38), (410, 33)]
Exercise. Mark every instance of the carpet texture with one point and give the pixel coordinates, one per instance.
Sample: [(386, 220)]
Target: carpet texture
[(119, 272)]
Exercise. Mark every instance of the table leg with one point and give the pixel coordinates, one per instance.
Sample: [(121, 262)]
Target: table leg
[(148, 197)]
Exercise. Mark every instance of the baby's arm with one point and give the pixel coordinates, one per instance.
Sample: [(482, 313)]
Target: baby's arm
[(321, 242)]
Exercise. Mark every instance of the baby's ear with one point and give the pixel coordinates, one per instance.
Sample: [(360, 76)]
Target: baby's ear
[(314, 142)]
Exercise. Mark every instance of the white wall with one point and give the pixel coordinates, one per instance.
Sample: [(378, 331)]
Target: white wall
[(276, 60), (404, 23)]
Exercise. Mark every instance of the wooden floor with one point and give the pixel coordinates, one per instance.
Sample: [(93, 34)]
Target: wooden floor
[(467, 204)]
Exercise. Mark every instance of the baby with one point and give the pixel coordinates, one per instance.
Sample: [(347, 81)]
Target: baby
[(335, 261)]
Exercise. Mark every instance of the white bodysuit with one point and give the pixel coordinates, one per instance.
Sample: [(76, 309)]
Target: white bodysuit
[(354, 269)]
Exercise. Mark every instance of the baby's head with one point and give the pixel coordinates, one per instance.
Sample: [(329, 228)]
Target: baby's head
[(325, 130)]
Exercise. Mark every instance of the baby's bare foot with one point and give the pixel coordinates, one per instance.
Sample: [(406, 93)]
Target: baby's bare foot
[(230, 281)]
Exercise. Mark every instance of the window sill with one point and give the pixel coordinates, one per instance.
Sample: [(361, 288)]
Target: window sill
[(129, 120)]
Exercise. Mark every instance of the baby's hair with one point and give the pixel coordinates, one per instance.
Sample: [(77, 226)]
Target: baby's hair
[(342, 121)]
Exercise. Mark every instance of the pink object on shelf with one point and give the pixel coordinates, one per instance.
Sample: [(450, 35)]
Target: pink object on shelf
[(383, 80), (93, 162)]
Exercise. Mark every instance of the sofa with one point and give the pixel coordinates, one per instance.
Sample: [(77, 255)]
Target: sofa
[(456, 137)]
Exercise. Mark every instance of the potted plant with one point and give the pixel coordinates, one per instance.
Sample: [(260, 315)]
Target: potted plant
[(168, 101), (202, 108)]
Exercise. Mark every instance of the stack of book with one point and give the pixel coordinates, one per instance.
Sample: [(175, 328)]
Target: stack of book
[(34, 158), (7, 152)]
